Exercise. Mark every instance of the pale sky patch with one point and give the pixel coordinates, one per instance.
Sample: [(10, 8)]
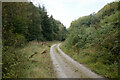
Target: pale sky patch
[(67, 11)]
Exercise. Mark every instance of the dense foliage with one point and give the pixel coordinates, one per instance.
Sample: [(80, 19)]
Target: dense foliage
[(101, 32), (24, 22)]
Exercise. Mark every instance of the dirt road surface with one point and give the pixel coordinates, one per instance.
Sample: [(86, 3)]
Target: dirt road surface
[(66, 67)]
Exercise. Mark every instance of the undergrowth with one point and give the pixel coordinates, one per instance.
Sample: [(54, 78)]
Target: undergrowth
[(92, 60), (18, 63)]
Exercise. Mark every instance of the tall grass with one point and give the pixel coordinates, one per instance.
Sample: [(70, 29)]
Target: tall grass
[(39, 66), (90, 58)]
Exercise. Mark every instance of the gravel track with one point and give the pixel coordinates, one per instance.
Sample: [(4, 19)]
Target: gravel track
[(66, 67)]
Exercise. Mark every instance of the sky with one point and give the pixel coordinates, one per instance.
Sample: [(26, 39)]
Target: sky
[(67, 11)]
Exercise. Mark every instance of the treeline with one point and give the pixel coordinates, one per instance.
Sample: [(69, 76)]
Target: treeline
[(99, 32), (24, 22)]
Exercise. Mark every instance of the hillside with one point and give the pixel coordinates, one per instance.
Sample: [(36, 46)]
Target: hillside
[(22, 22), (93, 40)]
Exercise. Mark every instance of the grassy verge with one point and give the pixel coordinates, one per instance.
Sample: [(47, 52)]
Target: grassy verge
[(89, 57), (39, 65), (57, 50)]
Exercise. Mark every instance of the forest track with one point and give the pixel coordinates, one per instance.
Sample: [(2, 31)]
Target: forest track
[(66, 67)]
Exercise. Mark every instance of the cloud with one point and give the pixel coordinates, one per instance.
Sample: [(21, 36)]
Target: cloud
[(68, 10)]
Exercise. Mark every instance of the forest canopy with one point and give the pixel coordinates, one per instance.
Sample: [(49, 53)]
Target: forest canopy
[(23, 22), (99, 32)]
